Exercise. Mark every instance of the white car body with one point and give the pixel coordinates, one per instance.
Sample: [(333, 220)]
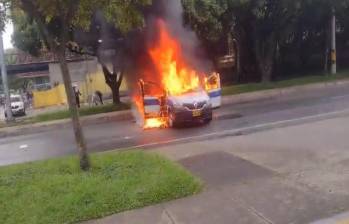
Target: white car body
[(190, 98), (17, 105)]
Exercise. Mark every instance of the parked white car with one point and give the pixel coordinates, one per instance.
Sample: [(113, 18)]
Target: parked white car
[(17, 106)]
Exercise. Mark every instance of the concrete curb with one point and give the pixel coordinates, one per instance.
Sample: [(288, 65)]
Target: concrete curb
[(41, 127), (280, 92), (127, 115)]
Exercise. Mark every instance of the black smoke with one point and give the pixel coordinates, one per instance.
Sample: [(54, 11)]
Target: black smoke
[(138, 41), (171, 11)]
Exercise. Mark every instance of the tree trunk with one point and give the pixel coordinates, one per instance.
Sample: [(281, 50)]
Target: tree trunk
[(327, 47), (265, 54), (114, 82), (237, 60), (266, 68), (79, 137), (265, 64), (116, 95), (327, 52)]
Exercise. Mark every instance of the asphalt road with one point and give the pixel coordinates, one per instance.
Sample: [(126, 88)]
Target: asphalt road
[(124, 134)]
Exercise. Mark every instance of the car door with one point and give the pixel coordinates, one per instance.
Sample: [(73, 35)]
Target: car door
[(214, 90), (152, 98)]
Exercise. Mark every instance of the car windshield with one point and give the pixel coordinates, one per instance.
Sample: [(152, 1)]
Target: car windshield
[(15, 99), (194, 90)]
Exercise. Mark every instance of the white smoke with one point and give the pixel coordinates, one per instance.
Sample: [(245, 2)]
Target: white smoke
[(193, 53)]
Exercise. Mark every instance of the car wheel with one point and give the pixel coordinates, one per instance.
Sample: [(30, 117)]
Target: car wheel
[(172, 121), (24, 113), (208, 120)]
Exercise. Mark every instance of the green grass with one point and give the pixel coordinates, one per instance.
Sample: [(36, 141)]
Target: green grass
[(251, 87), (56, 191), (85, 111), (64, 114)]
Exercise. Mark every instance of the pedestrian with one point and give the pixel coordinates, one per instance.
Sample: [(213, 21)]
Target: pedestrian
[(29, 96), (77, 95), (99, 94)]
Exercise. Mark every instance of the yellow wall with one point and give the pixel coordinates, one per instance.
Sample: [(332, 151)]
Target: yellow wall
[(57, 96), (52, 97)]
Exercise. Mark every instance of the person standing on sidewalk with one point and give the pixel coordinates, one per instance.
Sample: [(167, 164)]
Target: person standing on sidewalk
[(77, 95), (99, 94)]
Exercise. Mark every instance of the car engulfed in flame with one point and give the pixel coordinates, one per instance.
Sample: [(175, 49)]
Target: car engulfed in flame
[(168, 110), (175, 93)]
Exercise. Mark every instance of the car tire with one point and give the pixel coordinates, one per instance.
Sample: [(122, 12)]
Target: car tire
[(207, 120), (171, 121)]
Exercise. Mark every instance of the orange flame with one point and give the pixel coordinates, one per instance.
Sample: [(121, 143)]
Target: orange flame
[(155, 123), (176, 76)]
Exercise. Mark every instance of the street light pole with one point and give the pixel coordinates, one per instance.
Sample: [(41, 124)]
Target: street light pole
[(333, 44), (4, 81)]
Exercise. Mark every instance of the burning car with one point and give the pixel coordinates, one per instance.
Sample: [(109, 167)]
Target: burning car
[(170, 110), (161, 108), (189, 107), (173, 92)]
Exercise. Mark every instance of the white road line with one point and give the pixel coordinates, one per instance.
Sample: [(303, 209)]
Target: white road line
[(338, 219), (340, 97), (260, 126), (23, 146)]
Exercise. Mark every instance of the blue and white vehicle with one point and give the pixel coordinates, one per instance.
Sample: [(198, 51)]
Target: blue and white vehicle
[(214, 90), (193, 106)]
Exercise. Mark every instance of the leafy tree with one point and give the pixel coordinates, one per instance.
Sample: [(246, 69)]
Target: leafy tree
[(101, 36), (274, 36), (56, 18), (26, 35), (4, 6), (106, 42), (272, 23)]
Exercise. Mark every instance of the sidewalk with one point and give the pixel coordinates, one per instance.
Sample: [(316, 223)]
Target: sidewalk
[(297, 174)]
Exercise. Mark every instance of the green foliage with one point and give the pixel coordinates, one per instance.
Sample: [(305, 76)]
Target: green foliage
[(4, 6), (285, 34), (205, 18), (53, 22), (124, 14), (26, 35), (56, 191)]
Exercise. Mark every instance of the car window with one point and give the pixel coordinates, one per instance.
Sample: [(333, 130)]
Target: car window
[(16, 99)]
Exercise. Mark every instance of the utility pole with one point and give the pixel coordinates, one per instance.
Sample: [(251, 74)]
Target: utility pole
[(4, 81), (333, 44)]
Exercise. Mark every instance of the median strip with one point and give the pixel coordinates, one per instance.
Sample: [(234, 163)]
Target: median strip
[(57, 191)]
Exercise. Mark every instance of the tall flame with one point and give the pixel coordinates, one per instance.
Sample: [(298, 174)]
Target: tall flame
[(176, 76)]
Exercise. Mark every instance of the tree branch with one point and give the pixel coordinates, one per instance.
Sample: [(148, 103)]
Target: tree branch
[(120, 78), (33, 11)]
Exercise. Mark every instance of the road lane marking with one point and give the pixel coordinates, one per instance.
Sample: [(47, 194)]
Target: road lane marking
[(337, 219), (340, 97), (23, 146)]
